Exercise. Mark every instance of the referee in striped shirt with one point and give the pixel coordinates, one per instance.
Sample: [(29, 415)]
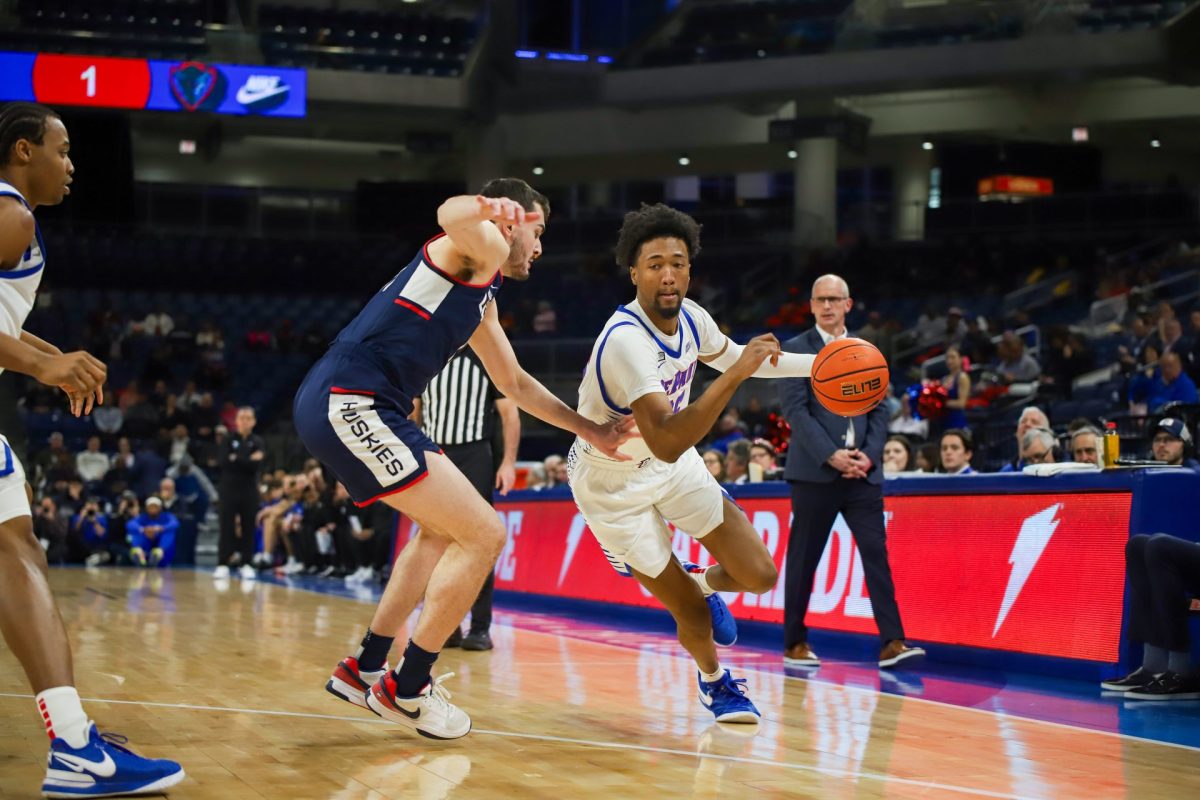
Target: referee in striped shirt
[(458, 411)]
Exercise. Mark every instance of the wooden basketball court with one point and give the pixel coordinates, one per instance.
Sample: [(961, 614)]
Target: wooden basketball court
[(231, 684)]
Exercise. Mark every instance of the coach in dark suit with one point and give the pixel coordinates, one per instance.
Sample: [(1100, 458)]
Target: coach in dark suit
[(835, 464)]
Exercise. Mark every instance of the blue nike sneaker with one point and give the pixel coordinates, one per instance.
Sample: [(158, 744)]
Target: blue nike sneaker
[(105, 768), (727, 700), (723, 624)]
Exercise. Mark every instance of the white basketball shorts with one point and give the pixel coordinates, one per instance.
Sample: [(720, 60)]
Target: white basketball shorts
[(14, 502), (627, 505)]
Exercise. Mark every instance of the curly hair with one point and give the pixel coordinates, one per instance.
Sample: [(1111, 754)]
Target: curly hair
[(22, 121), (655, 222)]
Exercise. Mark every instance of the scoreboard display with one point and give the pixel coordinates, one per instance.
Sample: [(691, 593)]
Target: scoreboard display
[(138, 83)]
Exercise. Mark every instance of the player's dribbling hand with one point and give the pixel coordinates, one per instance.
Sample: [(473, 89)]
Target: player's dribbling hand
[(502, 209), (79, 374), (756, 351), (608, 437)]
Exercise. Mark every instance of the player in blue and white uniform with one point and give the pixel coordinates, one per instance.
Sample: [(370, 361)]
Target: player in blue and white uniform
[(36, 170), (643, 364), (352, 413)]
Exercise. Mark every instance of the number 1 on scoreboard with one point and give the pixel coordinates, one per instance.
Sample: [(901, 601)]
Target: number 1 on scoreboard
[(89, 75)]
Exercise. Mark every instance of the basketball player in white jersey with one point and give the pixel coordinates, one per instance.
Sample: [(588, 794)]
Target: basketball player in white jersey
[(643, 363), (36, 169)]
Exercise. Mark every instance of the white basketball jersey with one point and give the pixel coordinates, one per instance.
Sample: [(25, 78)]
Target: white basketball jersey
[(632, 358), (18, 286)]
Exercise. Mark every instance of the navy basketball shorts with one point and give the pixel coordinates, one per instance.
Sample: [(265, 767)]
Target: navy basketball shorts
[(370, 444)]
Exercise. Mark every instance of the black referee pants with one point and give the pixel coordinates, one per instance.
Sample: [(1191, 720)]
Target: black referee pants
[(238, 503), (1162, 570), (474, 460)]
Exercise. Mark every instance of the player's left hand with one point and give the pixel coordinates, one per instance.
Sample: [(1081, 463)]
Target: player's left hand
[(82, 402), (506, 478), (608, 437)]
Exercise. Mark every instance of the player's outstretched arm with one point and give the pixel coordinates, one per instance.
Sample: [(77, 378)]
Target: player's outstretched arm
[(476, 243), (670, 434), (788, 365), (496, 353)]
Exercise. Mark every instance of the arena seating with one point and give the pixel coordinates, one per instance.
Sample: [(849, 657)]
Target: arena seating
[(166, 29), (364, 41)]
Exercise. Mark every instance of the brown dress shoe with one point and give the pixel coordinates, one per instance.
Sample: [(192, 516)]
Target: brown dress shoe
[(897, 652), (800, 655)]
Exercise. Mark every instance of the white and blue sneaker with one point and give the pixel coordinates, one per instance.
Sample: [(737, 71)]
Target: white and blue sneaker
[(727, 700), (105, 768), (724, 625)]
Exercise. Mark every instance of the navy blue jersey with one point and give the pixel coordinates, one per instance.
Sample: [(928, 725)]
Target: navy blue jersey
[(415, 324)]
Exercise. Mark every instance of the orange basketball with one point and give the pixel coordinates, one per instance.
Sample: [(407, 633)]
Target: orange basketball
[(850, 377)]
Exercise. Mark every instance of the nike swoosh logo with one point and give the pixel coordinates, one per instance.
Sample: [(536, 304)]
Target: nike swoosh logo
[(705, 699), (247, 96), (410, 714), (105, 768)]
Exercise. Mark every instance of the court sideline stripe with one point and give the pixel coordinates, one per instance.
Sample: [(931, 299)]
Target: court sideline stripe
[(827, 771)]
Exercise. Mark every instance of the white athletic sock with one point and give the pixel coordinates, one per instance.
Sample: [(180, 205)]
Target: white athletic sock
[(64, 715), (702, 579), (716, 676)]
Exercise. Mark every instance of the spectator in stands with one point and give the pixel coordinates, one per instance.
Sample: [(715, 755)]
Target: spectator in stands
[(180, 444), (956, 329), (1172, 443), (1031, 417), (728, 429), (762, 453), (206, 419), (929, 458), (158, 323), (172, 415), (91, 464), (90, 530), (193, 485), (148, 469), (1130, 352), (1162, 572), (556, 471), (903, 422), (1015, 365), (545, 321), (715, 461), (1037, 446), (737, 462), (754, 417), (897, 456), (189, 398), (108, 418), (957, 448), (54, 459), (70, 498), (1167, 384), (977, 344), (152, 535), (50, 529), (878, 333), (958, 390), (1068, 357), (141, 417), (1087, 446), (1171, 338)]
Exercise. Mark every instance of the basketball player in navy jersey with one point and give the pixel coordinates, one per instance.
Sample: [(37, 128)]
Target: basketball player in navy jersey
[(35, 170), (352, 413)]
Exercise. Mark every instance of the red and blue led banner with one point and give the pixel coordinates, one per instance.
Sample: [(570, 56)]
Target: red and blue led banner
[(138, 83), (1030, 573)]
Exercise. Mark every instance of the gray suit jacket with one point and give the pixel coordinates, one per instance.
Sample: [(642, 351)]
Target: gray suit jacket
[(817, 433)]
